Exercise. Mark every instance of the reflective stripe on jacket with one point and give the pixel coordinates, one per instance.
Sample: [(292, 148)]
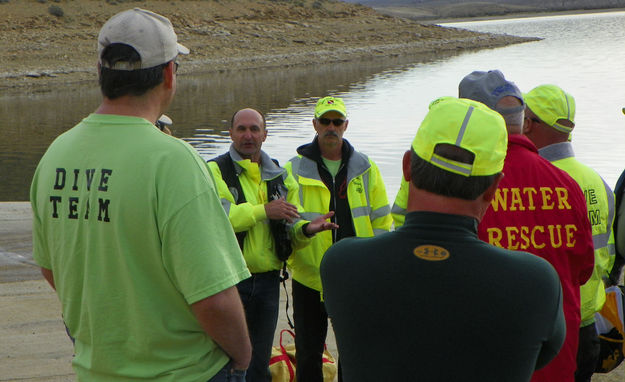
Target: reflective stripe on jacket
[(401, 203), (258, 246), (368, 204), (600, 203)]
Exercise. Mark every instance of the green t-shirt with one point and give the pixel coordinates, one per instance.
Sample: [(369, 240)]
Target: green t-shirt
[(128, 220), (332, 166)]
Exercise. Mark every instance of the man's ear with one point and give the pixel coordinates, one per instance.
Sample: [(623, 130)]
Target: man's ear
[(406, 165), (168, 75), (489, 194), (527, 126)]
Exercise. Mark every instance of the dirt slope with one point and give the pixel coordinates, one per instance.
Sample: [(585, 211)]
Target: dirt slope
[(44, 43)]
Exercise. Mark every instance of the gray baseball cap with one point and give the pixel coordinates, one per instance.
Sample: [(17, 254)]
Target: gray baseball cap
[(489, 88), (150, 34)]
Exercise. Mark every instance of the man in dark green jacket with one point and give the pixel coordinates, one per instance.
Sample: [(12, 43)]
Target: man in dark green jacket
[(430, 301)]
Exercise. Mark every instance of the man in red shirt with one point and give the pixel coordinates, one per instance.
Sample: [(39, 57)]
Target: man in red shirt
[(537, 208)]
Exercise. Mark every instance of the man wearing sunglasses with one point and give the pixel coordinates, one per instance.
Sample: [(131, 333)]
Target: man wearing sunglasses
[(128, 228), (332, 176)]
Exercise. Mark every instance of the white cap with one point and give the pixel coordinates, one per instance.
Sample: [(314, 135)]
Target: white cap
[(150, 34), (165, 120)]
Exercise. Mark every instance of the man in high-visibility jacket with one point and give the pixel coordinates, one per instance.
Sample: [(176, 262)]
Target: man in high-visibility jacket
[(261, 199), (334, 177), (549, 120)]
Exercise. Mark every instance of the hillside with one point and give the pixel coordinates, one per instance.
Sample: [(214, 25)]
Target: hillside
[(449, 9), (45, 44), (553, 5)]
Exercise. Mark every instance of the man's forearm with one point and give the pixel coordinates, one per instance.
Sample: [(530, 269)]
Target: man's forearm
[(223, 318)]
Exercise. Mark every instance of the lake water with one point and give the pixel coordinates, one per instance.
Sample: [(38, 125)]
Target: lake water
[(386, 99)]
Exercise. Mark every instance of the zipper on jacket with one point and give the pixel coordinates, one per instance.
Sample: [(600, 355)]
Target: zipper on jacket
[(334, 231)]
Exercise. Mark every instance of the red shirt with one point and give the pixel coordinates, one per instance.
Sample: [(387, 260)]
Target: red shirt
[(540, 209)]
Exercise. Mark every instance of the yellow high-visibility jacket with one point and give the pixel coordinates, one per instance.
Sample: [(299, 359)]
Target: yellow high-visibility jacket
[(258, 246), (600, 202), (366, 195)]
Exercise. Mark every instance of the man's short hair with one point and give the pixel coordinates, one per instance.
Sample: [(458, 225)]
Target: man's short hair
[(118, 83), (434, 179)]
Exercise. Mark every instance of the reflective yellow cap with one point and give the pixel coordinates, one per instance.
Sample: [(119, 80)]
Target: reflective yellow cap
[(550, 104), (327, 104), (468, 124)]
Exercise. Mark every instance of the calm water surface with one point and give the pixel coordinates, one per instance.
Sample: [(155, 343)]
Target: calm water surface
[(386, 99)]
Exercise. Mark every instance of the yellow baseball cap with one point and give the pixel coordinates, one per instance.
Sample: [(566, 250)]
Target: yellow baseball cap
[(468, 124), (327, 104), (550, 104)]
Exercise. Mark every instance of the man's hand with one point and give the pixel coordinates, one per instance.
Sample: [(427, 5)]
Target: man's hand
[(281, 209), (320, 224)]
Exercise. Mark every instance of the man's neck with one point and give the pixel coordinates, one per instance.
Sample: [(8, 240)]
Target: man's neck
[(253, 158), (546, 136), (256, 158), (131, 106), (421, 200), (333, 153)]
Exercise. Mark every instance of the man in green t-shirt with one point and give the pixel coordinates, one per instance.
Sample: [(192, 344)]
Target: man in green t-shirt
[(129, 230)]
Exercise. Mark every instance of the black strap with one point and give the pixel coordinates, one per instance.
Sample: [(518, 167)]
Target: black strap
[(284, 275), (230, 176), (276, 190)]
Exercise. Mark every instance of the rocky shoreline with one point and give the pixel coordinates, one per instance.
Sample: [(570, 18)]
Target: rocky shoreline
[(40, 51)]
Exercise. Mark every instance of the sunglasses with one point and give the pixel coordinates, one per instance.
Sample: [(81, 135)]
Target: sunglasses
[(326, 121)]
